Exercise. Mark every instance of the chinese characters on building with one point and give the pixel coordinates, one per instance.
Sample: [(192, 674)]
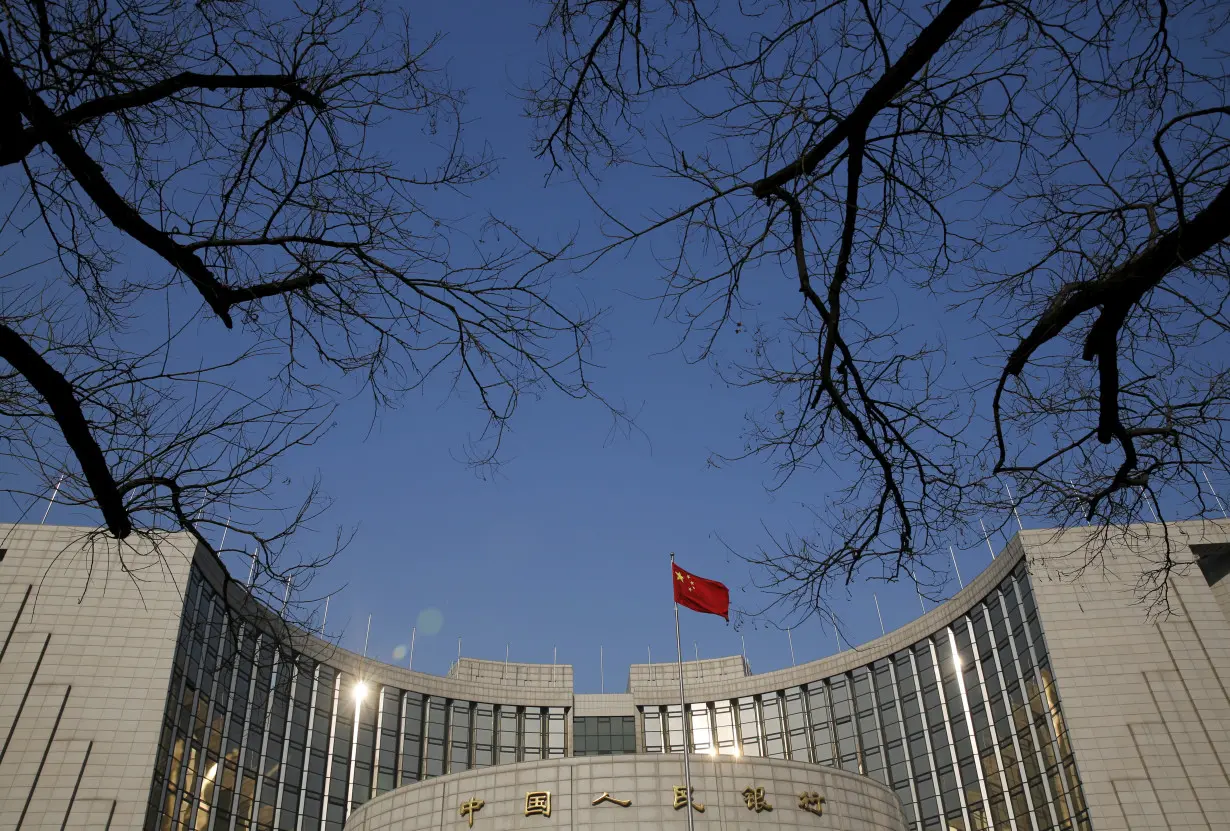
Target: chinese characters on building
[(468, 809), (754, 799), (812, 801), (538, 803), (681, 799), (606, 797)]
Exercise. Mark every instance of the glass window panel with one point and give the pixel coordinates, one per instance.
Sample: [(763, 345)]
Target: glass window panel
[(507, 735), (484, 735), (774, 739), (874, 766), (839, 698), (627, 728), (906, 796), (555, 732), (436, 718), (531, 734), (412, 738), (702, 739), (724, 721), (674, 729), (749, 727), (928, 805), (795, 717), (459, 730), (940, 747), (653, 731)]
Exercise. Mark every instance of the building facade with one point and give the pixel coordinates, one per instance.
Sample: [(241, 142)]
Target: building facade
[(1039, 697)]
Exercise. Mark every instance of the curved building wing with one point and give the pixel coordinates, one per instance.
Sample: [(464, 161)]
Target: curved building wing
[(1039, 697)]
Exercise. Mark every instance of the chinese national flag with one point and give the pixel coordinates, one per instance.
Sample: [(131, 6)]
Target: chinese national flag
[(699, 594)]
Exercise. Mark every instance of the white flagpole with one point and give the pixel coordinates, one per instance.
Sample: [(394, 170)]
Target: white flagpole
[(683, 710), (960, 582), (412, 633), (743, 641), (252, 570), (601, 672), (1202, 470), (987, 537), (790, 640), (52, 500), (1152, 510), (1012, 502), (325, 618), (880, 616), (362, 670), (225, 528)]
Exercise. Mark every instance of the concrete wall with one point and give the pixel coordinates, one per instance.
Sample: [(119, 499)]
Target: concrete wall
[(86, 658), (852, 803), (1145, 697)]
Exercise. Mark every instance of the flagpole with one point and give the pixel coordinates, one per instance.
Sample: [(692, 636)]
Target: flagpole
[(60, 481), (683, 710)]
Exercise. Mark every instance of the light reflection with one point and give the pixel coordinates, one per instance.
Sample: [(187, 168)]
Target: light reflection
[(360, 691)]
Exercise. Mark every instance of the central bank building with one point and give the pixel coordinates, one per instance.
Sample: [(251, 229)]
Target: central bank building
[(1039, 698)]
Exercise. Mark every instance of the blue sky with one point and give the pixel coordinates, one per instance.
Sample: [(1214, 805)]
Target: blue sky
[(567, 546)]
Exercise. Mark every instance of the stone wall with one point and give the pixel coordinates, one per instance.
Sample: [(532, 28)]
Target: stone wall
[(1145, 695), (86, 657)]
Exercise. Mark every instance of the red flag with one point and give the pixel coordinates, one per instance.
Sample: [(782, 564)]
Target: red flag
[(699, 594)]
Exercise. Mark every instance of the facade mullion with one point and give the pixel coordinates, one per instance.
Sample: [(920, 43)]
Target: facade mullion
[(307, 747), (230, 629), (267, 722), (805, 708), (969, 726), (332, 744), (990, 716), (176, 772), (1037, 652), (354, 751), (932, 760), (184, 733), (822, 689), (947, 715), (1021, 674), (878, 721), (858, 731), (1016, 744), (200, 632), (287, 728), (911, 772), (217, 694)]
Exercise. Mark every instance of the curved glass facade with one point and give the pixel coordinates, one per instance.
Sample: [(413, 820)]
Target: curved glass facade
[(254, 737), (965, 725)]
